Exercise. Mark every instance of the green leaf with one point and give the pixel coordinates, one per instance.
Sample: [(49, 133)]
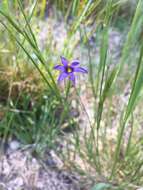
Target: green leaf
[(102, 186)]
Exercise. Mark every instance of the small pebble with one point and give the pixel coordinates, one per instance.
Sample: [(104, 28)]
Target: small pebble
[(14, 145)]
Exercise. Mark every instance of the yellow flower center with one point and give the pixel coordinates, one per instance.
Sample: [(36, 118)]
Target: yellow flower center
[(69, 70)]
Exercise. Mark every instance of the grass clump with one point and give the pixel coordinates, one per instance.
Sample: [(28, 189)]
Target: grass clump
[(35, 109)]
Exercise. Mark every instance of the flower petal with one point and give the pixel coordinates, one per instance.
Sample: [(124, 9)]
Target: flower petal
[(75, 63), (72, 78), (62, 76), (80, 69), (59, 67), (64, 61)]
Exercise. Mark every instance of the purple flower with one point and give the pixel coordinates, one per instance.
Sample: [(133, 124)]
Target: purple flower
[(68, 69)]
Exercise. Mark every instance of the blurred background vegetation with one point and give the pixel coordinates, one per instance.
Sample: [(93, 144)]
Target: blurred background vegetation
[(106, 36)]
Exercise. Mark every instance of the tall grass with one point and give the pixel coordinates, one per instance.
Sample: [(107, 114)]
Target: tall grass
[(117, 160)]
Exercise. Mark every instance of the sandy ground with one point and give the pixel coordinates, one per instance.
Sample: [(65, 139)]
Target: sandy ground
[(20, 171)]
